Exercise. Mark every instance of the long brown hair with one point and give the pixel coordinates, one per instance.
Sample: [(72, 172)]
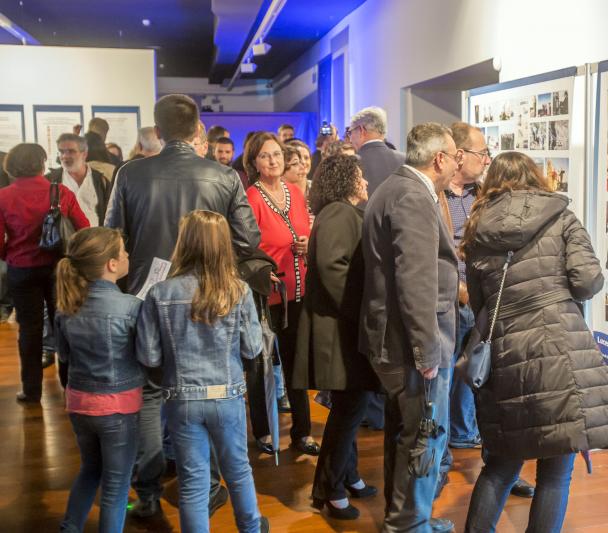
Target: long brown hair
[(204, 249), (509, 171), (88, 251)]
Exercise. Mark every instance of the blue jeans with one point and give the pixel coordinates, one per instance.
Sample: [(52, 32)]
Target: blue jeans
[(494, 484), (193, 425), (463, 422), (409, 499), (107, 456)]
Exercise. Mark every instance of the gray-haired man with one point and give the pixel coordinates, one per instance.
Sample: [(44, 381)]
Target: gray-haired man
[(408, 317)]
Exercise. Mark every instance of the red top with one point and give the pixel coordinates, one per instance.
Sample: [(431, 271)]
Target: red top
[(95, 404), (278, 239), (23, 205)]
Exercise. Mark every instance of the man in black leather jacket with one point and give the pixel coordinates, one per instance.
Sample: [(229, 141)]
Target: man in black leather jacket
[(149, 198)]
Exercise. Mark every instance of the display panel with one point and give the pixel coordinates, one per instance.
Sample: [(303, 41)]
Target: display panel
[(50, 122), (12, 126), (124, 124)]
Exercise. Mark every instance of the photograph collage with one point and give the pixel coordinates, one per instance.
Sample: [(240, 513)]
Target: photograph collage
[(535, 123)]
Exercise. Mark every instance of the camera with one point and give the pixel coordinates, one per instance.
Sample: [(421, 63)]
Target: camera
[(325, 128)]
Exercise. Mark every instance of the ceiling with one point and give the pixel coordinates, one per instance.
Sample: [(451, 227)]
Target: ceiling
[(192, 38)]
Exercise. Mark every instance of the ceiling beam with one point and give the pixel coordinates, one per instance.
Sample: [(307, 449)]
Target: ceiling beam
[(19, 33)]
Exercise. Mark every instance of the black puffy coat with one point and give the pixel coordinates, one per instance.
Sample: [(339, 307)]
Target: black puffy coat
[(548, 390)]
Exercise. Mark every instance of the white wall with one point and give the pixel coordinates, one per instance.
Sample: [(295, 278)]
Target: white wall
[(48, 75), (245, 96), (398, 43)]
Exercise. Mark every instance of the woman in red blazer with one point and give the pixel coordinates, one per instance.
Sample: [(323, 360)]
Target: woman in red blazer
[(23, 205), (282, 215)]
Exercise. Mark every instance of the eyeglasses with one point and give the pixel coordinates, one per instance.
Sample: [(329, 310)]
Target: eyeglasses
[(457, 157), (265, 156), (482, 154)]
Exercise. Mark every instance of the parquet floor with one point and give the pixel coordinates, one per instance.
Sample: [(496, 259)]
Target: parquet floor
[(39, 459)]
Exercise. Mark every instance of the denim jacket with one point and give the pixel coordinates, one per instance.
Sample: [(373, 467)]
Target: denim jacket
[(98, 341), (199, 361)]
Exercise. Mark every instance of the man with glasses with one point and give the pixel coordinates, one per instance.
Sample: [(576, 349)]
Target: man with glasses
[(367, 131), (459, 196), (408, 318)]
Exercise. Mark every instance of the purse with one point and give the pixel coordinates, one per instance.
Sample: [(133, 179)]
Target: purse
[(475, 363), (56, 229)]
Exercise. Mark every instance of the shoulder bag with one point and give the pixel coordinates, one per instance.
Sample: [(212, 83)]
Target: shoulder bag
[(56, 229)]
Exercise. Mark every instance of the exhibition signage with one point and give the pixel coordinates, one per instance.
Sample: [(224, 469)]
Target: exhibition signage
[(124, 124), (50, 121), (12, 126)]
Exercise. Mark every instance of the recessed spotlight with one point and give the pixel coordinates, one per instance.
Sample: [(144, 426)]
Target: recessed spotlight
[(145, 22)]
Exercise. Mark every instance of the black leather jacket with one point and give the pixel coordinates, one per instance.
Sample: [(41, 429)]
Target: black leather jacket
[(151, 195)]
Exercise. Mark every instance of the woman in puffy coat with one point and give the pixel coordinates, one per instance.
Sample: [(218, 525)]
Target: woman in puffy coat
[(547, 396)]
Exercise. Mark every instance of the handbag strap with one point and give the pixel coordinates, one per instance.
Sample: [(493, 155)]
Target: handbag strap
[(499, 297), (54, 194)]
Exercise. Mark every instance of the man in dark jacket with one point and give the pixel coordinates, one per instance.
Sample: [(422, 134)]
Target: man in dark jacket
[(408, 317), (149, 198)]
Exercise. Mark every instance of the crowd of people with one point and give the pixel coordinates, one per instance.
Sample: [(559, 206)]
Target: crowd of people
[(357, 270)]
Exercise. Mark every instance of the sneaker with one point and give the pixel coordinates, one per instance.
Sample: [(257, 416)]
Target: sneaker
[(48, 358), (218, 500), (145, 509), (441, 525), (523, 489), (442, 482), (264, 525)]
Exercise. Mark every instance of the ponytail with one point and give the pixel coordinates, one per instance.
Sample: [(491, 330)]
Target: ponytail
[(88, 252)]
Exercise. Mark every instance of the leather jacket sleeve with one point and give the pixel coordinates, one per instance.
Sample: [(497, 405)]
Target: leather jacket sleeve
[(245, 231)]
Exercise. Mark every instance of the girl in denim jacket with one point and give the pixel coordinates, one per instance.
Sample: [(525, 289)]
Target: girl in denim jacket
[(95, 330), (197, 325)]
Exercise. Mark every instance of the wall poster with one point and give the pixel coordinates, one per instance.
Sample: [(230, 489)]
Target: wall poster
[(599, 305), (124, 124), (50, 121), (12, 126), (534, 116)]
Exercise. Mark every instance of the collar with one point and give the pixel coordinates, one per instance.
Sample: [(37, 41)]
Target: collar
[(372, 141), (67, 175), (178, 146), (468, 189), (25, 180), (103, 284), (426, 180)]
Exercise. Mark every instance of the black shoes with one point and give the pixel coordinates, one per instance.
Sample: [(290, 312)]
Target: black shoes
[(264, 525), (283, 404), (24, 398), (145, 509), (366, 492), (442, 482), (348, 513), (307, 448), (218, 500), (264, 447), (48, 358), (523, 489), (441, 525)]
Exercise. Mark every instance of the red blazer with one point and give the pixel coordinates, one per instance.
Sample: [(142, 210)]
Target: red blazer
[(23, 205), (277, 238)]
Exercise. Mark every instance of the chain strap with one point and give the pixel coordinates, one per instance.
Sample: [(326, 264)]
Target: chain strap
[(499, 297)]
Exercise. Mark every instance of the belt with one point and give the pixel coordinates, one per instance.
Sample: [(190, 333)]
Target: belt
[(210, 392)]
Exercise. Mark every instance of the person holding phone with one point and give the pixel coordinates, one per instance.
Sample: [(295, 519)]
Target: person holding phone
[(282, 216)]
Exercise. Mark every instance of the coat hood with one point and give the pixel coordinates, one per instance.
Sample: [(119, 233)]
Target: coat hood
[(510, 221)]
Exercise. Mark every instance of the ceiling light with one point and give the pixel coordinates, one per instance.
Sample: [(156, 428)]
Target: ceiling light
[(260, 49), (248, 67), (145, 22)]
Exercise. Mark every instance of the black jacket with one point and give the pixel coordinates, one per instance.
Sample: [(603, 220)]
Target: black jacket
[(548, 390), (150, 196), (102, 189), (327, 356)]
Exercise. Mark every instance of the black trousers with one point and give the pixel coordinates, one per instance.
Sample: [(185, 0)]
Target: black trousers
[(337, 463), (300, 408), (30, 288)]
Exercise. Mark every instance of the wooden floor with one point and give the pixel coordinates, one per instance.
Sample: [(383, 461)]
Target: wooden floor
[(39, 460)]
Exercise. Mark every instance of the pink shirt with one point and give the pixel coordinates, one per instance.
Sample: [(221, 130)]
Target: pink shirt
[(95, 404)]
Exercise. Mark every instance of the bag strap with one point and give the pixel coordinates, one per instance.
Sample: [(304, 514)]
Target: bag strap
[(499, 297), (54, 194)]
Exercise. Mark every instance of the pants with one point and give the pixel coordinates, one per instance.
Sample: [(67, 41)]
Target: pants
[(494, 484), (150, 464), (107, 456), (337, 465), (409, 499), (463, 421), (300, 408), (374, 414), (30, 289), (193, 426)]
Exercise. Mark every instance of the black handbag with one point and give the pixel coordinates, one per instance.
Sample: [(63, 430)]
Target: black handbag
[(56, 229), (475, 363)]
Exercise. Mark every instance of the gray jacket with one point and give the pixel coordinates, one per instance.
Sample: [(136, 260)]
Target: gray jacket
[(408, 312), (548, 390), (378, 162), (150, 196)]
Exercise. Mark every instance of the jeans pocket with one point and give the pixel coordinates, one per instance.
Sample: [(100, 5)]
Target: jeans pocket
[(230, 411)]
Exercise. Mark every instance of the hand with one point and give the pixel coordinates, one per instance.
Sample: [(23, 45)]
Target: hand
[(76, 129), (429, 373), (301, 245), (273, 277), (463, 294)]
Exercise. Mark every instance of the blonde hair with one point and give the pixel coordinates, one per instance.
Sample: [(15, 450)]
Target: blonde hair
[(88, 251), (204, 249)]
